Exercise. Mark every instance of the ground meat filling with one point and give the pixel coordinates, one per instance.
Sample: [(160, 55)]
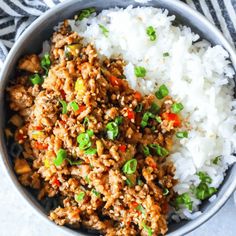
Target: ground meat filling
[(94, 142)]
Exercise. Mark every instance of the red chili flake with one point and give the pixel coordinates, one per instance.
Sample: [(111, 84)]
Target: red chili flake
[(62, 122), (81, 109), (131, 115), (40, 146), (63, 94), (122, 148), (138, 96), (56, 182), (115, 81), (38, 128), (134, 204), (172, 117)]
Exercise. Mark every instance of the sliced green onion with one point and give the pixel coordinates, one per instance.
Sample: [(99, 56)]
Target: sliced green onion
[(95, 192), (119, 120), (90, 132), (162, 92), (140, 182), (177, 107), (91, 151), (154, 108), (145, 118), (146, 151), (79, 197), (130, 166), (112, 130), (139, 107), (204, 177), (77, 162), (151, 33), (184, 199), (159, 150), (84, 141), (87, 180), (203, 191), (140, 71), (147, 229), (61, 156), (158, 119), (85, 13), (104, 30), (45, 62), (36, 79), (86, 121), (128, 182), (64, 106), (141, 209), (182, 134), (166, 54), (165, 191), (216, 160), (74, 106)]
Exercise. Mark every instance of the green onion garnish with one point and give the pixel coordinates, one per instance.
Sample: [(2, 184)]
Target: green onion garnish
[(154, 108), (128, 182), (84, 141), (61, 156), (112, 130), (147, 229), (177, 107), (86, 121), (36, 79), (159, 150), (119, 120), (79, 197), (145, 118), (77, 162), (158, 119), (146, 151), (204, 177), (130, 166), (64, 106), (182, 134), (85, 13), (140, 71), (151, 33), (45, 62), (165, 191), (90, 151), (139, 107), (87, 180), (74, 106), (104, 30), (162, 92), (95, 192), (203, 191), (216, 160), (184, 199), (166, 54), (140, 182), (141, 209)]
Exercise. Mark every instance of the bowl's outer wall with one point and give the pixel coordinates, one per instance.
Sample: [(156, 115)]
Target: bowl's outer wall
[(41, 30)]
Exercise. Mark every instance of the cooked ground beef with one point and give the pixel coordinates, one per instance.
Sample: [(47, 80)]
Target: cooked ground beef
[(91, 140)]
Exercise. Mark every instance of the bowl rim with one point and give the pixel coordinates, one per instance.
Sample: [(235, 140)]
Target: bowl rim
[(3, 158)]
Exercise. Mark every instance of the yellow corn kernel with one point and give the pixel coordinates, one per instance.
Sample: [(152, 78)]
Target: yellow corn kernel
[(37, 134), (47, 163), (79, 86)]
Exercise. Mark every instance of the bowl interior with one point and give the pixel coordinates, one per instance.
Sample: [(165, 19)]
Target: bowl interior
[(31, 42)]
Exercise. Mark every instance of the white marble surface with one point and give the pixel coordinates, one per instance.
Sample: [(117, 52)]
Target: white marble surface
[(17, 218)]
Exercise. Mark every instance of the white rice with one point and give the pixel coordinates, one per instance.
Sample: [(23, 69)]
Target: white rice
[(197, 75)]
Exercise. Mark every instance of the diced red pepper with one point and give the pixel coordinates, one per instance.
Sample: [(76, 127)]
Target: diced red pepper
[(115, 81), (38, 128), (138, 96), (134, 204), (40, 146), (81, 109), (172, 117), (63, 94), (131, 115), (153, 164), (122, 148), (56, 182)]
